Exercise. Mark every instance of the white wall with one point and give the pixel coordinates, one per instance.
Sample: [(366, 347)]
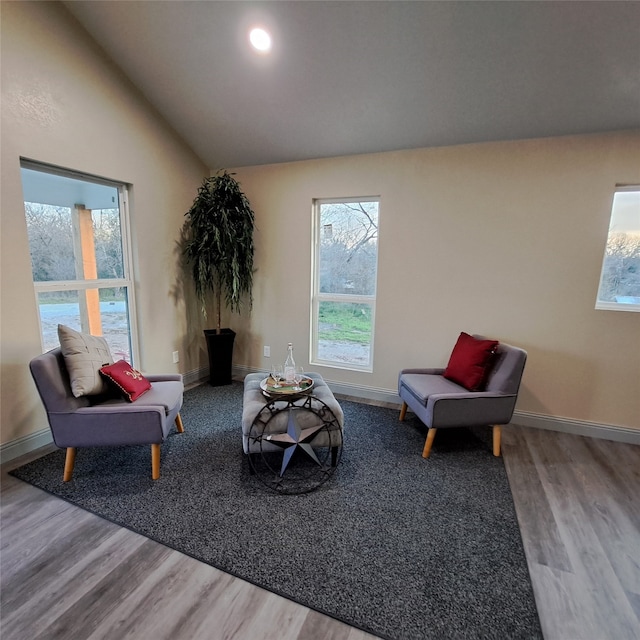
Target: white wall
[(63, 103), (503, 239)]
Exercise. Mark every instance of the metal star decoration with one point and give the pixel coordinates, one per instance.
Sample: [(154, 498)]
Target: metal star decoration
[(295, 438)]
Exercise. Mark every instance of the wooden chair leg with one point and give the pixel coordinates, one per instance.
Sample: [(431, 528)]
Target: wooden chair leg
[(179, 424), (496, 439), (155, 461), (69, 461), (431, 434), (403, 411)]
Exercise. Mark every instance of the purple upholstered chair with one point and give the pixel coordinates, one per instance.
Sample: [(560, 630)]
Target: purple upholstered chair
[(441, 403), (91, 421)]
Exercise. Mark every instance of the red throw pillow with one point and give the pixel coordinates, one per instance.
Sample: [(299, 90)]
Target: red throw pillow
[(130, 382), (470, 362)]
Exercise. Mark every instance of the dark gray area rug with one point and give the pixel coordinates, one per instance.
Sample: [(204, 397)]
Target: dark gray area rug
[(393, 544)]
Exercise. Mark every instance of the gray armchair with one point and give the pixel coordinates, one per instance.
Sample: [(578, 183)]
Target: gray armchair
[(441, 403), (91, 421)]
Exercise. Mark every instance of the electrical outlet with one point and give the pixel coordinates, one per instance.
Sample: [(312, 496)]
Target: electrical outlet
[(267, 352), (176, 356)]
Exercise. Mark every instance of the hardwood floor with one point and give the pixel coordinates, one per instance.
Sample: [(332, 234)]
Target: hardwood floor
[(578, 505), (65, 573)]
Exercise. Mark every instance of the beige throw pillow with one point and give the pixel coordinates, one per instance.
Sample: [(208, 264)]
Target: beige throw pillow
[(84, 356)]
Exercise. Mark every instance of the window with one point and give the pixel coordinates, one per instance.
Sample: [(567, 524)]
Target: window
[(80, 256), (345, 270), (619, 288)]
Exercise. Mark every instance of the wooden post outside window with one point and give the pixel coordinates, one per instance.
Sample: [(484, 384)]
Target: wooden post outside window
[(87, 269)]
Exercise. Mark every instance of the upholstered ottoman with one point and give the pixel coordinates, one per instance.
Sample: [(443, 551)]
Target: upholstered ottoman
[(273, 427)]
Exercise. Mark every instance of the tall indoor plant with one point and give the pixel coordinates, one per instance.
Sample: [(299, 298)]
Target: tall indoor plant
[(219, 250)]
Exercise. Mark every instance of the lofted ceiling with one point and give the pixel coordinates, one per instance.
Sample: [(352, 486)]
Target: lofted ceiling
[(357, 77)]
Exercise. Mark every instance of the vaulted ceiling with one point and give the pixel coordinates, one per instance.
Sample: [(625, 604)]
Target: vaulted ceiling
[(356, 77)]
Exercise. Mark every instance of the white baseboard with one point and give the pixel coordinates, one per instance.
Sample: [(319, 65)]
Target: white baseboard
[(523, 418), (365, 392), (26, 444), (577, 427), (194, 376)]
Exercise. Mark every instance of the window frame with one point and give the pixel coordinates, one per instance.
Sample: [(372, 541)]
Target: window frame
[(317, 296), (615, 306), (127, 281)]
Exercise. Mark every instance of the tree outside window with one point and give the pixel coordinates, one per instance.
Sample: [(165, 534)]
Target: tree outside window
[(346, 257), (619, 288), (77, 233)]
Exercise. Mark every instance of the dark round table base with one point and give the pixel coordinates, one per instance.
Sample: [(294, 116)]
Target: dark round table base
[(300, 455)]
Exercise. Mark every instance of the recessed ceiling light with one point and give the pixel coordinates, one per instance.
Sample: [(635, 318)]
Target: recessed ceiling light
[(260, 40)]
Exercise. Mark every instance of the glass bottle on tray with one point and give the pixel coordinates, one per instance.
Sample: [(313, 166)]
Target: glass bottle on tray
[(290, 366)]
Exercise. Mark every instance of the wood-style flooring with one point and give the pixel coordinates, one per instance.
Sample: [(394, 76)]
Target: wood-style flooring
[(65, 573)]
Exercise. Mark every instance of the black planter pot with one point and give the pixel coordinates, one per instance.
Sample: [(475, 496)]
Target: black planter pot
[(220, 348)]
